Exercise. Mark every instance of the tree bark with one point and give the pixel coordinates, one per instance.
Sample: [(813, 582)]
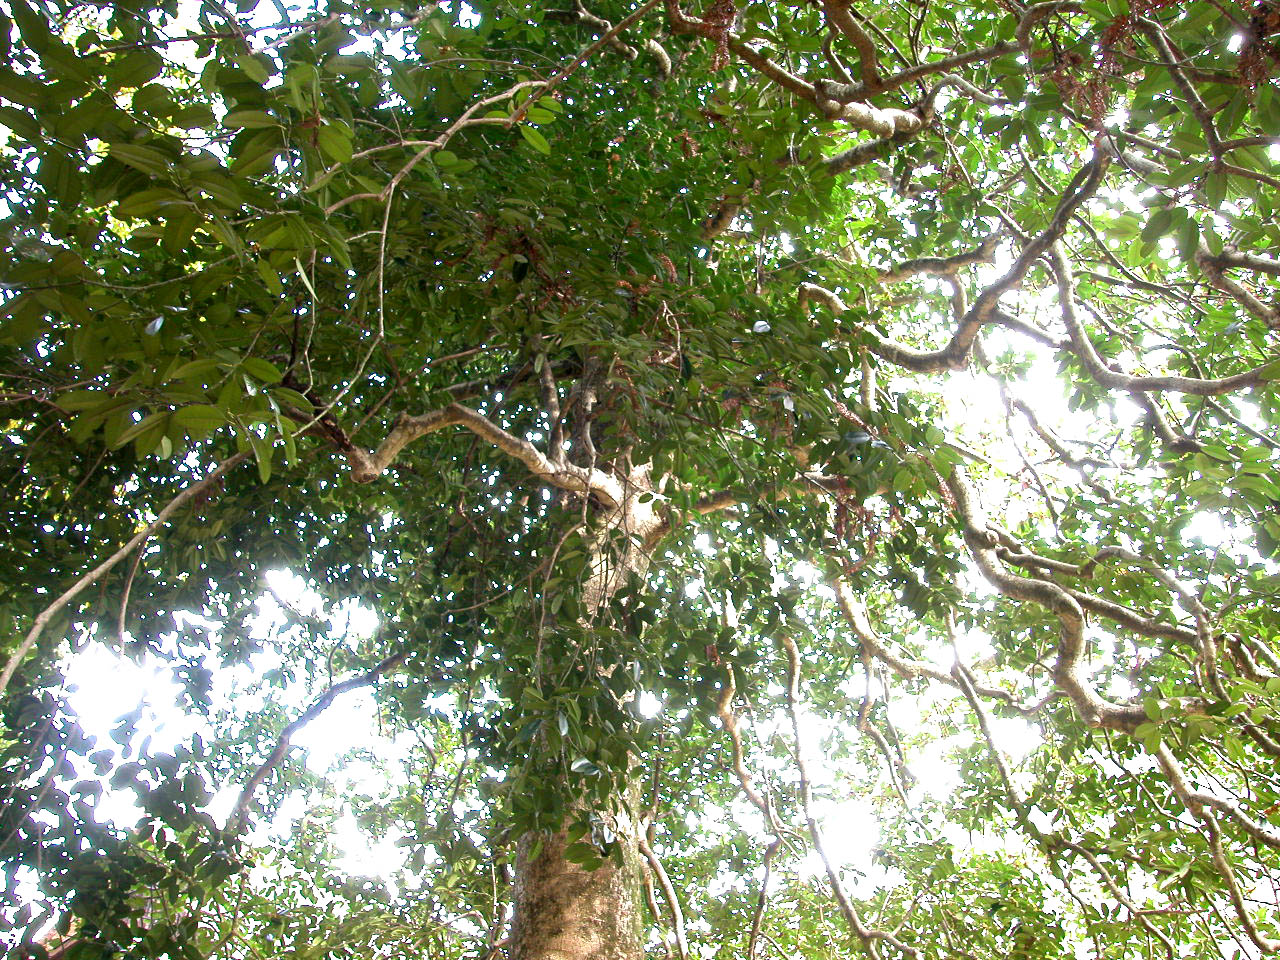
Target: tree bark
[(564, 912)]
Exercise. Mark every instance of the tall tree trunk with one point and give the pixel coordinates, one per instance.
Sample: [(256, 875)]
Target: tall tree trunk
[(562, 910), (565, 912)]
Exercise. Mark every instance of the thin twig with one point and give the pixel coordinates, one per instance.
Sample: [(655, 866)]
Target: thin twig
[(43, 618), (235, 823)]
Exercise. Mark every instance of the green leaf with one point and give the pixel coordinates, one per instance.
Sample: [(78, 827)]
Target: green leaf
[(32, 25), (262, 455), (535, 139), (75, 400), (581, 853), (195, 368), (149, 201), (147, 159), (59, 174), (292, 399), (20, 122), (1124, 227), (261, 370), (135, 68), (1214, 188), (249, 120), (153, 423), (200, 419), (1188, 239), (335, 141), (257, 67), (1158, 225), (179, 227), (255, 153), (21, 90)]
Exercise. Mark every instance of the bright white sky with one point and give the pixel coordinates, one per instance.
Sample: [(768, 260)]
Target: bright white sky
[(349, 725)]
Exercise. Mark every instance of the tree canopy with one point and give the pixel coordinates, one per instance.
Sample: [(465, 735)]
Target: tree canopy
[(745, 425)]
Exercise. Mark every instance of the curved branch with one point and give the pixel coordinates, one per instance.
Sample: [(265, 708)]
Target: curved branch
[(729, 723), (984, 252), (1214, 268), (934, 67), (1200, 805), (869, 936), (985, 310), (884, 122), (762, 899), (864, 153), (565, 72), (838, 13), (366, 466), (669, 895), (1037, 12), (855, 614), (1083, 348), (1068, 669), (580, 14), (1231, 257), (780, 76)]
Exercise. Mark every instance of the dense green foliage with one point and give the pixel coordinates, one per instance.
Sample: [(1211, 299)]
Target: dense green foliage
[(801, 284)]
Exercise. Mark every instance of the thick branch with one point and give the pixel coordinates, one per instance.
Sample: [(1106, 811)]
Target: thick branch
[(884, 122), (934, 67), (1172, 60), (864, 153), (837, 14), (762, 899), (984, 310), (1083, 348), (1231, 257), (366, 466), (1037, 12)]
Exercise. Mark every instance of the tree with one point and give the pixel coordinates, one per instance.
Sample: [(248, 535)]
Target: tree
[(765, 362)]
